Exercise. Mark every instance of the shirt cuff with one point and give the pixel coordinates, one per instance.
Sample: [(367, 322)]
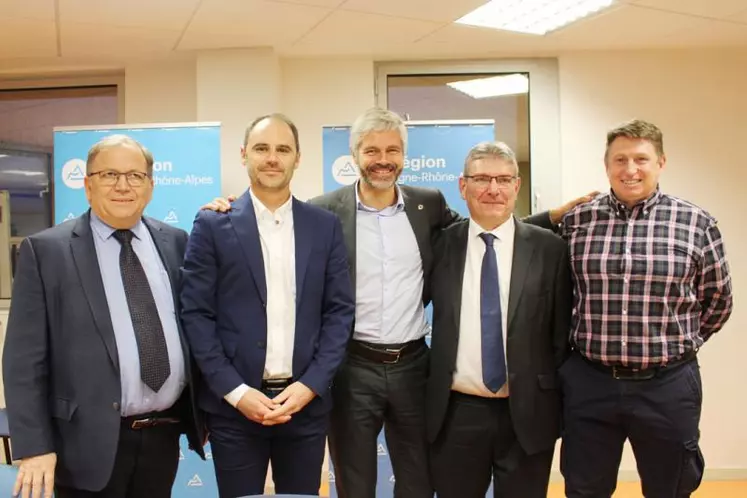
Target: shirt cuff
[(235, 396)]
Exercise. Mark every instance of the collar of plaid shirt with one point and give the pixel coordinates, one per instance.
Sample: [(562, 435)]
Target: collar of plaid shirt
[(644, 205)]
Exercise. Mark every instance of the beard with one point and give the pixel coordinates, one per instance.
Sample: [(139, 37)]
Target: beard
[(380, 175)]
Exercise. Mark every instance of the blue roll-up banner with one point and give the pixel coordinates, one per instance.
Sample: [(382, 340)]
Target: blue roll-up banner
[(435, 158), (186, 172)]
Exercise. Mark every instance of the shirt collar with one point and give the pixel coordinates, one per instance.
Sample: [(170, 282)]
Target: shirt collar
[(104, 231), (645, 204), (503, 232), (398, 206), (260, 210)]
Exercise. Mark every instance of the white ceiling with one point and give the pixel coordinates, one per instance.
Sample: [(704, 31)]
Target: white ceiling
[(111, 31)]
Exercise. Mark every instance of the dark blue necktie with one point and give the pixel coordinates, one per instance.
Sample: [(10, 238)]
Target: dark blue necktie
[(493, 356), (151, 343)]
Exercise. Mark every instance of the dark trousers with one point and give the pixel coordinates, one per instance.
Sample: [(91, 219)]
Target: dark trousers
[(659, 416), (366, 396), (242, 450), (145, 465), (478, 442)]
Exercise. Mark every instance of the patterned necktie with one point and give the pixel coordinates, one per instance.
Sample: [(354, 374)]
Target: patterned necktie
[(151, 343), (493, 355)]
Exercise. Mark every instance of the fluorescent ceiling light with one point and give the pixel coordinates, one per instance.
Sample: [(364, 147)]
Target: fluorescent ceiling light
[(22, 172), (531, 16), (494, 86)]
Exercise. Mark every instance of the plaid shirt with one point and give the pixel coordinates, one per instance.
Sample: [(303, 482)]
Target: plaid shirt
[(650, 283)]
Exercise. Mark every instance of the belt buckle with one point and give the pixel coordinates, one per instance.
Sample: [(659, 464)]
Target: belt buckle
[(632, 375), (399, 354), (142, 423), (615, 373), (275, 385)]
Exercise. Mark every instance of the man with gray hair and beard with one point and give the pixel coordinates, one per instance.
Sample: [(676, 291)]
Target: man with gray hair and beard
[(387, 230)]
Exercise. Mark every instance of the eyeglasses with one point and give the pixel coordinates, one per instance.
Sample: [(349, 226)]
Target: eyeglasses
[(483, 181), (109, 178)]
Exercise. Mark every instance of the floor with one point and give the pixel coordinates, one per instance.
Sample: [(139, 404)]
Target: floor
[(711, 489)]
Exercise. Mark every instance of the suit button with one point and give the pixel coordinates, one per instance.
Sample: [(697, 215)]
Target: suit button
[(261, 344), (116, 406)]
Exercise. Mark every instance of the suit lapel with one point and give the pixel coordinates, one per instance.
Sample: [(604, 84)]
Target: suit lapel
[(165, 248), (303, 232), (244, 223), (86, 262), (519, 267), (418, 218), (346, 211), (457, 249)]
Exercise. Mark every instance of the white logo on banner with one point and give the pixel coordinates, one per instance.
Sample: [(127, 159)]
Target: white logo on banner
[(73, 173), (344, 170), (391, 479), (181, 455), (331, 476), (195, 481), (171, 217), (70, 216), (381, 451), (208, 455)]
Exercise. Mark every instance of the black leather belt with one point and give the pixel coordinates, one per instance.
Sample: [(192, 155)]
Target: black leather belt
[(153, 419), (276, 385), (627, 373), (387, 354)]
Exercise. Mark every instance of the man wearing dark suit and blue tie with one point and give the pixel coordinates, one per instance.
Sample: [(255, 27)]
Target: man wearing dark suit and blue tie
[(501, 293), (267, 307), (98, 378)]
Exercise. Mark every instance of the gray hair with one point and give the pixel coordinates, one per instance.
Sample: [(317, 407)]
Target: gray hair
[(497, 150), (113, 141), (376, 119)]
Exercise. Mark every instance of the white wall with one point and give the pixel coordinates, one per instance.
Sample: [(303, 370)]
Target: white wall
[(160, 92), (234, 87), (322, 92), (698, 100)]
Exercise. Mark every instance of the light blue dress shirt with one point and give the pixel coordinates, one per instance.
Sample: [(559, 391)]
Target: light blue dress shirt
[(389, 276), (137, 398)]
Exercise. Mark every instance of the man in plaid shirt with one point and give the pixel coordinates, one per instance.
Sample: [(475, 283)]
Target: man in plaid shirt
[(651, 286)]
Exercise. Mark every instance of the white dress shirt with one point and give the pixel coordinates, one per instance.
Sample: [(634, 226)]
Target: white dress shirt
[(468, 374), (277, 239)]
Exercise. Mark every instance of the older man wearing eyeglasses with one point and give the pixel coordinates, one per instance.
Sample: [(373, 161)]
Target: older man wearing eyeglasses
[(98, 378)]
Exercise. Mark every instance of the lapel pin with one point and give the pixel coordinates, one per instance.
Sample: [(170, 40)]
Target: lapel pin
[(420, 207)]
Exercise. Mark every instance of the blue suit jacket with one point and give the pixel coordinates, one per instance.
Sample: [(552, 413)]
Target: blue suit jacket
[(224, 294)]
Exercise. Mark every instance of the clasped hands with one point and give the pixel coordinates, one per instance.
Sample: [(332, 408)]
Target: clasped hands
[(256, 406)]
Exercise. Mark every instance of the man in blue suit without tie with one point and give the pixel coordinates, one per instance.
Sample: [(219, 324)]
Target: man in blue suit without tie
[(267, 307)]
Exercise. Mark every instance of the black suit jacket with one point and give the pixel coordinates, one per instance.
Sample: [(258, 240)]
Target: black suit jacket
[(60, 362), (426, 210), (538, 325)]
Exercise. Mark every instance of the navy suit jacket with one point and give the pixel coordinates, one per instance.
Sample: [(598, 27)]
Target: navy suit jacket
[(60, 363), (224, 294)]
